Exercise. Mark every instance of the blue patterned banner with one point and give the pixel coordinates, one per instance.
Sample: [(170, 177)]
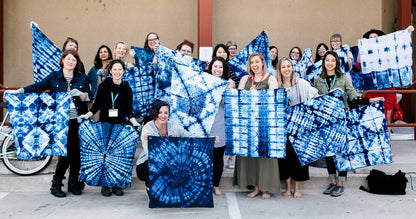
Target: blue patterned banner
[(255, 122), (166, 58), (107, 153), (195, 98), (317, 128), (368, 141), (343, 59), (356, 74), (314, 71), (45, 54), (40, 123), (238, 64), (180, 172), (141, 80), (300, 67), (386, 61), (142, 56)]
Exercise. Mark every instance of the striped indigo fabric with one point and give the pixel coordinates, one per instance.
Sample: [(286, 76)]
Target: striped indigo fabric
[(303, 64)]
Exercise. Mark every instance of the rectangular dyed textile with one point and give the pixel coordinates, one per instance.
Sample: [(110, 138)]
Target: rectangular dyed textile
[(180, 172), (300, 67), (343, 59), (194, 99), (142, 56), (238, 64), (368, 141), (356, 73), (141, 80), (107, 153), (314, 71), (255, 122), (45, 54), (318, 127), (387, 60), (39, 123), (166, 59)]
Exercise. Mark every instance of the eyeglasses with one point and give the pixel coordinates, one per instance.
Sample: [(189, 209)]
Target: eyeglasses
[(295, 52), (232, 48), (151, 40)]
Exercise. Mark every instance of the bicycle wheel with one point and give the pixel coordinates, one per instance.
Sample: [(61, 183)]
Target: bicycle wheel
[(18, 166)]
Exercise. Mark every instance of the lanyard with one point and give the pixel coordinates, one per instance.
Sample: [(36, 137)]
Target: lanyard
[(333, 83), (252, 82), (113, 99), (287, 96)]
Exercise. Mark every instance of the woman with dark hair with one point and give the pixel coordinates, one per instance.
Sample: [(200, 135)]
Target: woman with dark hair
[(186, 47), (274, 58), (332, 78), (295, 54), (68, 79), (320, 51), (152, 41), (100, 61), (114, 100), (220, 50)]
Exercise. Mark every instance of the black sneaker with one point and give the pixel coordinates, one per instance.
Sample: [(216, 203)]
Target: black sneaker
[(117, 191), (329, 190), (338, 191), (105, 191)]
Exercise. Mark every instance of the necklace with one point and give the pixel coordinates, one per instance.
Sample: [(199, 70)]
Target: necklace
[(252, 82)]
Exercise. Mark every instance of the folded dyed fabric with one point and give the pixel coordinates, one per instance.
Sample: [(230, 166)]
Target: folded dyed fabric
[(343, 59), (142, 56), (255, 123), (314, 71), (39, 123), (303, 64)]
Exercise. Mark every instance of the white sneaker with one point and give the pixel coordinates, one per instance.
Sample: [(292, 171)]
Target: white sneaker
[(231, 162)]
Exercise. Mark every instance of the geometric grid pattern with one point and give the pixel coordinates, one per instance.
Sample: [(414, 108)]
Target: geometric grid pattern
[(180, 172), (255, 123), (302, 65), (368, 141), (194, 98), (39, 123), (317, 128), (142, 56), (387, 60), (166, 59), (238, 64), (141, 81), (107, 153), (45, 54)]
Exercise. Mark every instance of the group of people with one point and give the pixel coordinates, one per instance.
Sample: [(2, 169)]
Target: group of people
[(112, 98)]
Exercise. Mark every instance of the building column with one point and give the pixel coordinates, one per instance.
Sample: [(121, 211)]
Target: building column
[(204, 29)]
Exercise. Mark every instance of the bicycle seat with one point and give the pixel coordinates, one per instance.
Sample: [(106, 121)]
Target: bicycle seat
[(3, 104)]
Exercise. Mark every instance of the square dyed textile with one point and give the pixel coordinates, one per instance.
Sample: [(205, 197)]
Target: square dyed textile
[(195, 98), (343, 59), (255, 122), (45, 54), (314, 71), (107, 153), (141, 80), (39, 123), (318, 127), (166, 58), (142, 56), (303, 64), (238, 64), (368, 141), (386, 61), (180, 172)]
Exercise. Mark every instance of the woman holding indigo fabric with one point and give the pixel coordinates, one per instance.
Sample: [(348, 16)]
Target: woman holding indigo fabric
[(332, 78), (298, 90), (263, 173), (114, 100), (100, 61)]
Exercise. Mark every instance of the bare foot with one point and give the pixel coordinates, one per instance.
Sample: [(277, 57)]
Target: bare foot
[(297, 194), (254, 193), (217, 191), (287, 194), (266, 195)]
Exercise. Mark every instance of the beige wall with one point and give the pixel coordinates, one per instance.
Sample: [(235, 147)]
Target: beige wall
[(304, 23)]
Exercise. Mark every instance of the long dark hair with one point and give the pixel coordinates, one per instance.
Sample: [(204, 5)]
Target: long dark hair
[(218, 46), (78, 68), (97, 61), (338, 71), (155, 108), (317, 56), (146, 42), (300, 52), (276, 60), (224, 65)]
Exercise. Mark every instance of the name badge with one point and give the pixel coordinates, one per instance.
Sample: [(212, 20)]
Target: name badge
[(113, 113)]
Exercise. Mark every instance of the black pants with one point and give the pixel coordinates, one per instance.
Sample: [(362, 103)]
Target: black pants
[(73, 158), (218, 165), (331, 168), (291, 167), (142, 171)]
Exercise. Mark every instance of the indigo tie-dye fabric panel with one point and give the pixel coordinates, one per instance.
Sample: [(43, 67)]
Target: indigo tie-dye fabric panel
[(255, 122), (107, 153), (142, 56), (356, 74), (195, 98), (386, 61), (314, 71), (39, 123), (302, 65), (238, 64), (166, 59), (368, 140), (180, 172), (343, 59), (45, 54), (141, 80), (318, 127)]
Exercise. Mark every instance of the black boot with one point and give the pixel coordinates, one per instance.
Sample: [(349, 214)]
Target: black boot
[(73, 186), (56, 188)]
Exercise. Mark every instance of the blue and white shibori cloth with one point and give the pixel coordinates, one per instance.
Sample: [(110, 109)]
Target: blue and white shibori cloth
[(39, 123), (368, 140), (45, 54), (142, 56), (356, 74), (255, 122), (318, 127), (166, 58), (194, 98), (142, 83), (238, 64), (343, 59), (386, 61), (302, 65), (180, 172), (107, 153), (314, 71)]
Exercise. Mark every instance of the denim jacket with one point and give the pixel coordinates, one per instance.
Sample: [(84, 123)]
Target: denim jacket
[(56, 82)]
